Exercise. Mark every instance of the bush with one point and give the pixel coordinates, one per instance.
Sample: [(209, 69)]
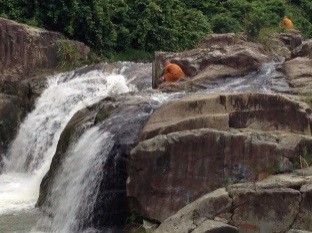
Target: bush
[(120, 26)]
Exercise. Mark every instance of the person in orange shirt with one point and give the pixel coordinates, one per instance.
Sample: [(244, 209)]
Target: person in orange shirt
[(287, 24), (172, 72)]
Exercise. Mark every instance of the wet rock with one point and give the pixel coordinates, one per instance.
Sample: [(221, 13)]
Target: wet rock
[(123, 117), (213, 59), (12, 111)]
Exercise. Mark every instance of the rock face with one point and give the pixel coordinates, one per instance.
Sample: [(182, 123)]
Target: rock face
[(15, 102), (26, 51), (274, 204), (200, 143), (299, 72), (124, 118), (304, 50), (12, 111), (217, 40), (283, 44), (217, 56)]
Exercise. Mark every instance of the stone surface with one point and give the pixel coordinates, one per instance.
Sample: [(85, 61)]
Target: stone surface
[(27, 51), (299, 72), (217, 40), (195, 214), (213, 59), (200, 143), (270, 210), (303, 220), (297, 231), (283, 44), (210, 226), (254, 207), (303, 50), (224, 111)]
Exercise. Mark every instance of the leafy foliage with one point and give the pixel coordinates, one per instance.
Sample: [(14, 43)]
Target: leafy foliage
[(111, 27)]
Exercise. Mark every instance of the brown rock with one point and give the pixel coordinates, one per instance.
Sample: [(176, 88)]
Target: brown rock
[(214, 59), (303, 220), (205, 142), (210, 226), (256, 111), (299, 73), (26, 51), (195, 214), (304, 50), (270, 210), (217, 40), (291, 38)]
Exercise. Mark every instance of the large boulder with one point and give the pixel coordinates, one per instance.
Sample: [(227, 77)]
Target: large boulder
[(304, 50), (217, 40), (303, 220), (195, 214), (217, 56), (283, 44), (261, 210), (299, 73), (274, 204), (197, 144), (27, 51)]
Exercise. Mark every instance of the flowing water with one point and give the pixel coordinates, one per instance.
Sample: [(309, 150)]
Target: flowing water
[(31, 153)]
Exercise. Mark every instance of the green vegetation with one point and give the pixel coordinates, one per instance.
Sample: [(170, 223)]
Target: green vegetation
[(305, 157), (127, 29)]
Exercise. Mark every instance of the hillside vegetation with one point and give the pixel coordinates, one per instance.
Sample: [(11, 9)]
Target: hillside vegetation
[(112, 27)]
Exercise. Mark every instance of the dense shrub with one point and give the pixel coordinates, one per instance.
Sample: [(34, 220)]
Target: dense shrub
[(117, 26)]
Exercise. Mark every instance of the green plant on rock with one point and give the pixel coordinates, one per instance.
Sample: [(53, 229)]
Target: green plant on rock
[(272, 167), (305, 158), (134, 223), (68, 55), (265, 36)]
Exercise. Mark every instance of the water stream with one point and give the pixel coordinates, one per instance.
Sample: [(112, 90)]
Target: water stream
[(31, 153)]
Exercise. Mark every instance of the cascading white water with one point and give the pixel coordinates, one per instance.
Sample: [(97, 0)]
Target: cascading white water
[(73, 196), (32, 150)]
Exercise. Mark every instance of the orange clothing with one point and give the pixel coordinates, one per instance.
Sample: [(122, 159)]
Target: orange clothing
[(286, 23), (173, 73)]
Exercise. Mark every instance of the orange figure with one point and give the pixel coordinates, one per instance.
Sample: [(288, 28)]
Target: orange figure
[(172, 72), (286, 23)]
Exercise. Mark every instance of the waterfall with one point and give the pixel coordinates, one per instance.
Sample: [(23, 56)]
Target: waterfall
[(74, 195), (265, 80), (31, 152)]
